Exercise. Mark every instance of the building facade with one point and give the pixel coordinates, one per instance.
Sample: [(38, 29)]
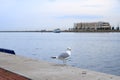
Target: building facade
[(93, 26)]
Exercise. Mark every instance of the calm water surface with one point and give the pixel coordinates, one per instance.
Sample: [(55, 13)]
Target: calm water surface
[(93, 51)]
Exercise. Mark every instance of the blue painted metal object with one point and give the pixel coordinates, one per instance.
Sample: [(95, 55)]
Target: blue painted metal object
[(7, 51)]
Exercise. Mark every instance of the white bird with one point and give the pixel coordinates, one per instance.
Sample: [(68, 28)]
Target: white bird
[(64, 56)]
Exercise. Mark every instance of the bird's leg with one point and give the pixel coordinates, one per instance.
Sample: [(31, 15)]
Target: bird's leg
[(64, 62)]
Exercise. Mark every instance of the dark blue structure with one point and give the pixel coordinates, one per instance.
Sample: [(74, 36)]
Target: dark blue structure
[(7, 51)]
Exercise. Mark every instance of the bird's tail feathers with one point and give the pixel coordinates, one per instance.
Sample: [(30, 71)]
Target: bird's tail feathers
[(54, 57)]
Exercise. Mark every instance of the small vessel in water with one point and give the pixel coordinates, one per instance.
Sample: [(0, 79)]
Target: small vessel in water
[(57, 30)]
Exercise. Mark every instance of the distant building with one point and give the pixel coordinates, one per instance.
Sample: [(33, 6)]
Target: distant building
[(92, 26)]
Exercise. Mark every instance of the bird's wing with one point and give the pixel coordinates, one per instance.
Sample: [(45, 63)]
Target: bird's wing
[(63, 56)]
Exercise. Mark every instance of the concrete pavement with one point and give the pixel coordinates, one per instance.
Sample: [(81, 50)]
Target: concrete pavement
[(42, 70)]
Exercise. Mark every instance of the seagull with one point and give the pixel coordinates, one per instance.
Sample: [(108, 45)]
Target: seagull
[(63, 56)]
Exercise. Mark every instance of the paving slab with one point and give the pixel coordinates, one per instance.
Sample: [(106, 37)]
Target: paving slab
[(42, 70)]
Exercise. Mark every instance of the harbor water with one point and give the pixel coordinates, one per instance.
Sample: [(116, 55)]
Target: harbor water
[(93, 51)]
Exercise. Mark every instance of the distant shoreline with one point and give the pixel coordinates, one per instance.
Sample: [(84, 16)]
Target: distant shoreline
[(68, 31)]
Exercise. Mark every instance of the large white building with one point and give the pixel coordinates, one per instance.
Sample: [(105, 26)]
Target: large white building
[(92, 26)]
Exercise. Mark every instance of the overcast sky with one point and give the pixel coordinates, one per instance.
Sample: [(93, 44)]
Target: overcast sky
[(51, 14)]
